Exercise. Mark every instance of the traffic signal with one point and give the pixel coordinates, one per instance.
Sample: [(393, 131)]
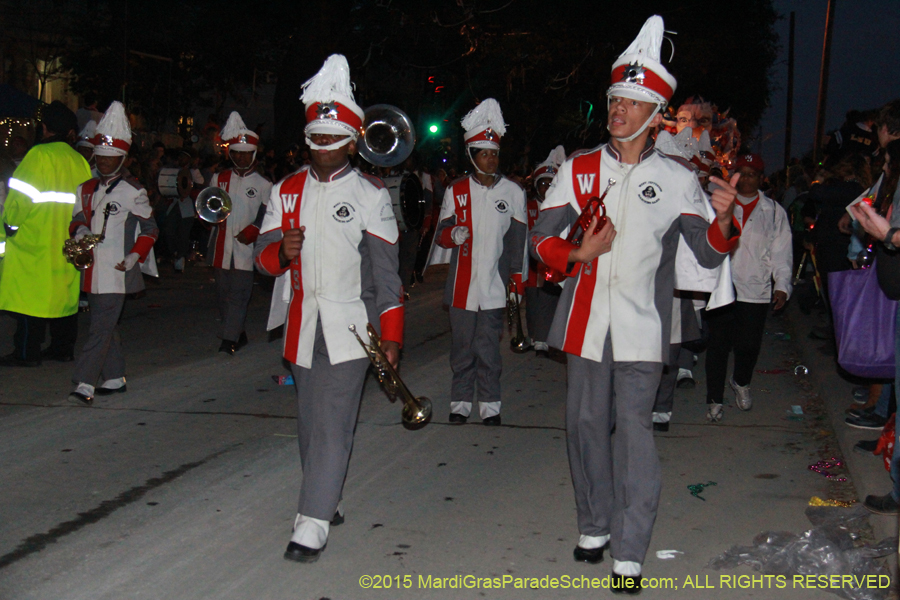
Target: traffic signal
[(434, 128)]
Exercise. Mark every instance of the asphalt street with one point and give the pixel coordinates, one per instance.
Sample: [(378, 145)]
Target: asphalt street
[(185, 487)]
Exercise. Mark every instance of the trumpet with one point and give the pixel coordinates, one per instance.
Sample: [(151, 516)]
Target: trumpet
[(416, 411), (519, 343), (80, 252), (594, 207)]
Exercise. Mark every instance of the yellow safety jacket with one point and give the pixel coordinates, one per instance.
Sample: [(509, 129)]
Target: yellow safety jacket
[(36, 279)]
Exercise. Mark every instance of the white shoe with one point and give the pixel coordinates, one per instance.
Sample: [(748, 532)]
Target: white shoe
[(685, 379), (741, 395), (715, 413)]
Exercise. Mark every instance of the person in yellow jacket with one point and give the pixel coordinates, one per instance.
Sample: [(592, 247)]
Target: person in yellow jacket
[(37, 285)]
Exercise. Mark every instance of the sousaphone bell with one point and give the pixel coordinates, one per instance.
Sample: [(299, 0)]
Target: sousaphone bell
[(388, 136), (213, 205)]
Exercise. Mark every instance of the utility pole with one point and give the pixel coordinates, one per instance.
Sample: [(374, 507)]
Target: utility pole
[(823, 81), (789, 121)]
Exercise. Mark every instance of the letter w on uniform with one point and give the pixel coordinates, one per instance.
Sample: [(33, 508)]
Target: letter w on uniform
[(586, 182), (289, 202)]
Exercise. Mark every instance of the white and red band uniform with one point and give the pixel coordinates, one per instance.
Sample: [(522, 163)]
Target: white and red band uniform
[(130, 213), (344, 217), (654, 193), (488, 213), (249, 195)]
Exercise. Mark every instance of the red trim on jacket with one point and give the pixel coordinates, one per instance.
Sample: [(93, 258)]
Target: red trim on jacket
[(392, 324), (223, 181), (717, 240), (143, 245), (251, 232), (293, 185)]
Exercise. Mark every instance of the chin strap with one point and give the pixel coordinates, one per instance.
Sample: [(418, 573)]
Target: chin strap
[(643, 127), (333, 146), (252, 162), (472, 160), (113, 174)]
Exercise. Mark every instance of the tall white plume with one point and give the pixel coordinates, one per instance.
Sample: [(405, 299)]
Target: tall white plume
[(234, 126), (115, 123), (486, 114), (333, 79)]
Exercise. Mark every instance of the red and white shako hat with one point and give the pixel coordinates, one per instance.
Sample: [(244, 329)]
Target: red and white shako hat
[(113, 136), (236, 135), (328, 97), (86, 137), (638, 74), (549, 167), (484, 126)]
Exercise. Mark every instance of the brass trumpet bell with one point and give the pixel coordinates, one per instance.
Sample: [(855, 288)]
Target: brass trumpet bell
[(213, 205)]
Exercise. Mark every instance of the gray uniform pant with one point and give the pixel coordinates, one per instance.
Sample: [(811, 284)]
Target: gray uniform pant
[(233, 289), (328, 398), (475, 354), (617, 484), (665, 394), (540, 306), (102, 353)]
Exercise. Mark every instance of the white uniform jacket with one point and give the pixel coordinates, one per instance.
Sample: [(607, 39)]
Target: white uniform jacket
[(346, 273), (131, 228), (627, 291), (763, 253), (496, 248), (249, 195)]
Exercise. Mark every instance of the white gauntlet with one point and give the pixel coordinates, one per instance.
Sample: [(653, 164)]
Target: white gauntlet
[(81, 232), (460, 234), (131, 260)]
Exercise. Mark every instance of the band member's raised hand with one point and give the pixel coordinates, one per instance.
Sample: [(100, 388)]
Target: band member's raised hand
[(242, 238), (291, 245), (722, 199), (592, 245)]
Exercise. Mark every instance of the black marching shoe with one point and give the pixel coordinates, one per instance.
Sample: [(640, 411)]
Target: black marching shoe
[(492, 421), (662, 427), (102, 391), (299, 553), (625, 584), (242, 341), (337, 519), (228, 347), (457, 419), (591, 556)]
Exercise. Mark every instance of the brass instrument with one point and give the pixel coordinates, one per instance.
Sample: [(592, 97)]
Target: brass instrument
[(213, 205), (518, 344), (80, 252), (416, 411), (388, 136), (576, 232)]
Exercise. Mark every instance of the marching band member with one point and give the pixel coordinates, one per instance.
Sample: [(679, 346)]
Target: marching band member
[(481, 232), (541, 296), (85, 145), (117, 205), (231, 242), (333, 230), (626, 270)]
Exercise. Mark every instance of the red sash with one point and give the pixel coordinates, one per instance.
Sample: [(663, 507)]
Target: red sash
[(585, 183), (462, 199), (291, 196), (87, 208)]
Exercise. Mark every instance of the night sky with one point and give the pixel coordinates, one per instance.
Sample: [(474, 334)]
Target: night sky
[(865, 69)]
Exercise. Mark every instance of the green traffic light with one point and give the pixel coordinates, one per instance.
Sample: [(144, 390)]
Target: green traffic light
[(433, 129)]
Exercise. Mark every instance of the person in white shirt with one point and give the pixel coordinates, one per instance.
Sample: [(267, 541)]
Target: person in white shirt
[(761, 271), (116, 205), (614, 315), (231, 242), (481, 232)]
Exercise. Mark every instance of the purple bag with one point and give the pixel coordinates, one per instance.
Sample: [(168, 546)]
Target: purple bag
[(864, 323)]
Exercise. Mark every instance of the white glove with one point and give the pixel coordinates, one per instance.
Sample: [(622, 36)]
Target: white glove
[(81, 232), (131, 260), (460, 234)]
